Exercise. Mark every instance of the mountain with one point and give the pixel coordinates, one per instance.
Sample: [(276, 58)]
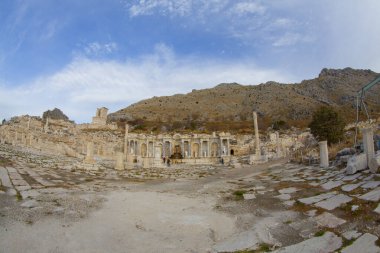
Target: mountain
[(233, 102)]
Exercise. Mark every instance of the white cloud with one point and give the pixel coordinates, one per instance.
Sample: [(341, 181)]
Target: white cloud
[(96, 48), (164, 7), (84, 84), (288, 39), (243, 8)]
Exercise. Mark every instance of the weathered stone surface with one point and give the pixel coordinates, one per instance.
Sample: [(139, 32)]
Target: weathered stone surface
[(289, 202), (334, 202), (365, 244), (352, 234), (377, 210), (329, 220), (373, 195), (5, 178), (374, 164), (329, 242), (248, 196), (283, 196), (23, 187), (351, 177), (30, 193), (30, 203), (350, 187), (356, 163), (311, 213), (288, 190), (317, 198), (331, 184), (371, 184)]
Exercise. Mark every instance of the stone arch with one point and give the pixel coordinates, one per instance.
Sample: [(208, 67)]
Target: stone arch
[(214, 149), (159, 151), (232, 152), (143, 150), (195, 147)]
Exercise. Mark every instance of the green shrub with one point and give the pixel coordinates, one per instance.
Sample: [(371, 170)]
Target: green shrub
[(327, 124)]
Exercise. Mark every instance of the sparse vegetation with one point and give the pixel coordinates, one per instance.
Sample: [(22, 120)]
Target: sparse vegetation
[(319, 233), (239, 194), (327, 124)]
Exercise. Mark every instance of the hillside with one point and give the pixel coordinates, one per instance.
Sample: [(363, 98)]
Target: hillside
[(232, 103)]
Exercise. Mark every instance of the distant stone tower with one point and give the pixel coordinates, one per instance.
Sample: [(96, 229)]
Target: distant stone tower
[(101, 117)]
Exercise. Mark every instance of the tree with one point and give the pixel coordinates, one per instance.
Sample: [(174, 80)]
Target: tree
[(279, 125), (327, 124)]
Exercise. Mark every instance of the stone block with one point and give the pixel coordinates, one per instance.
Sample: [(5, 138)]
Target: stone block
[(356, 163), (365, 244), (329, 220)]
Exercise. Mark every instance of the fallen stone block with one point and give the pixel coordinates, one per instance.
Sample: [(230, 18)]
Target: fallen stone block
[(356, 163), (374, 164)]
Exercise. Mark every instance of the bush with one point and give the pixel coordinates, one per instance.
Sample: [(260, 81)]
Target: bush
[(279, 125), (327, 124)]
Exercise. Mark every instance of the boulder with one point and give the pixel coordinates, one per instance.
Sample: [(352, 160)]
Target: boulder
[(356, 163), (374, 164)]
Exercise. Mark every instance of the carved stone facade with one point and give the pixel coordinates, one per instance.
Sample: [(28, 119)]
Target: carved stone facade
[(146, 150)]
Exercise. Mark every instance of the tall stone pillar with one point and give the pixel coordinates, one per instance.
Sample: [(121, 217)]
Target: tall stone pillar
[(46, 128), (278, 145), (29, 123), (228, 147), (89, 153), (126, 139), (119, 161), (369, 147), (323, 154), (257, 138)]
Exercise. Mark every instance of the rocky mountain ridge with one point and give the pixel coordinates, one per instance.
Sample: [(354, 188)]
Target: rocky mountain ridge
[(274, 101)]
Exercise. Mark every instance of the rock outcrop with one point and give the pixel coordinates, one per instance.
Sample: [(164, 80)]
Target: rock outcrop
[(55, 114)]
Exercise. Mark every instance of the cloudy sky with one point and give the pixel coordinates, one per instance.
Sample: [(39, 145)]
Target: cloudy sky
[(80, 55)]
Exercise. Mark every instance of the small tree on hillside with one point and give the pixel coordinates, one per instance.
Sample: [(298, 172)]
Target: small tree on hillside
[(327, 124)]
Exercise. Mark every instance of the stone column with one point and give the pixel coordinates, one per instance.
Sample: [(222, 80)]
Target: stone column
[(89, 153), (119, 161), (228, 147), (257, 138), (369, 147), (29, 123), (126, 139), (278, 146), (46, 128), (323, 154)]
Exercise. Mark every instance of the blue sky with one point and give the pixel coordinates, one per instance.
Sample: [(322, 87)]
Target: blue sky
[(80, 55)]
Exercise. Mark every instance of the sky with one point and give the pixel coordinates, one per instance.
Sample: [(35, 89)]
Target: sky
[(81, 55)]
